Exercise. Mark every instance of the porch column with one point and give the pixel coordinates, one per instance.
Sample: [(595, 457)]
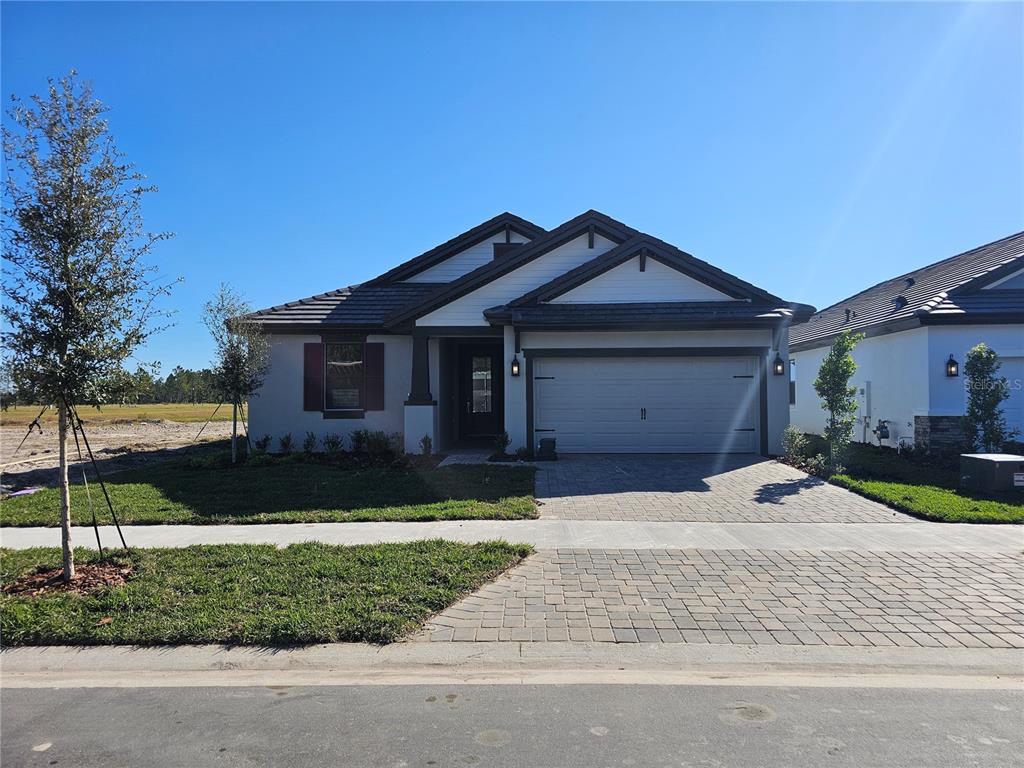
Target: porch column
[(420, 408), (419, 392)]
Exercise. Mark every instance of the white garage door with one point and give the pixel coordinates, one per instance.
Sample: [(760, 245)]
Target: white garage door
[(647, 404)]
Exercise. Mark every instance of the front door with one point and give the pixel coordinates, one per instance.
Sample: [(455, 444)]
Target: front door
[(481, 405)]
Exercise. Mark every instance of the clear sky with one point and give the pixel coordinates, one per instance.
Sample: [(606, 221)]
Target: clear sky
[(813, 149)]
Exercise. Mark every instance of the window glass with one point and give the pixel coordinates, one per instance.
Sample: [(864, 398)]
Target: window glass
[(344, 373), (482, 384)]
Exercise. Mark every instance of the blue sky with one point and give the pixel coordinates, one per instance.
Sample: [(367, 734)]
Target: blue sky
[(812, 149)]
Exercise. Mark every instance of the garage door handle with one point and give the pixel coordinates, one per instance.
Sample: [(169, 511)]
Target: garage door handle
[(643, 414)]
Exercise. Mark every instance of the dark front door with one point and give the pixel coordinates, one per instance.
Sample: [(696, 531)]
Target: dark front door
[(481, 404)]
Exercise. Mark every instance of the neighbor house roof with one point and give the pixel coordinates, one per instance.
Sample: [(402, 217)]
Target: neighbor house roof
[(948, 291)]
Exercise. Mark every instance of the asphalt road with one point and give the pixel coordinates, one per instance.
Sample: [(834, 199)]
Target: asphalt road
[(511, 726)]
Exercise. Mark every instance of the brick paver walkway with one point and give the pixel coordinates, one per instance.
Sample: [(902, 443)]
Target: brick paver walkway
[(717, 489), (748, 597)]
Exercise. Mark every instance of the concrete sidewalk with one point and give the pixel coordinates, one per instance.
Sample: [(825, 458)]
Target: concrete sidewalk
[(566, 534), (512, 663)]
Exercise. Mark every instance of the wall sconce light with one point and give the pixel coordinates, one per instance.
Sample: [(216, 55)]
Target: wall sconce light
[(952, 367), (515, 365), (778, 367)]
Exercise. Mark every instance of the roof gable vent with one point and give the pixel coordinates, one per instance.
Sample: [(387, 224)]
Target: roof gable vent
[(900, 302), (503, 249)]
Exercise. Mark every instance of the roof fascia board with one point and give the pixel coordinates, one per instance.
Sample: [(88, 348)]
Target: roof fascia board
[(570, 230), (869, 331), (461, 242), (679, 261)]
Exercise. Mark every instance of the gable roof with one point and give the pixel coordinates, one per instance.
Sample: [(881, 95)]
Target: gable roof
[(948, 291), (500, 223), (357, 307), (590, 221), (647, 246)]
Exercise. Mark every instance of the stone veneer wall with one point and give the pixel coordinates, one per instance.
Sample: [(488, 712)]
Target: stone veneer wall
[(939, 433)]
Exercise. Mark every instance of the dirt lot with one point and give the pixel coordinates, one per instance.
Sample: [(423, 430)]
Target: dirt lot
[(116, 445)]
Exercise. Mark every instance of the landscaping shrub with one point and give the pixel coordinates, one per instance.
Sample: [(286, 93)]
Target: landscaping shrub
[(522, 453), (426, 445), (794, 446), (359, 439), (286, 443), (333, 443), (309, 444), (262, 445)]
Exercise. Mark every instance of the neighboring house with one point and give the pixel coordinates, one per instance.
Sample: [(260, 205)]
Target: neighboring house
[(914, 324), (595, 334)]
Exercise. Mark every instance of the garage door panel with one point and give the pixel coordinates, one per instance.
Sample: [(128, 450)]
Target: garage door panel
[(692, 404)]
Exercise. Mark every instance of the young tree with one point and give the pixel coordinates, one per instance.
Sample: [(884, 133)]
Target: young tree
[(984, 423), (79, 299), (837, 396), (243, 353)]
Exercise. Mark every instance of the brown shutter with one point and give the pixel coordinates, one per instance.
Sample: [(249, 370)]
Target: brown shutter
[(373, 368), (313, 377)]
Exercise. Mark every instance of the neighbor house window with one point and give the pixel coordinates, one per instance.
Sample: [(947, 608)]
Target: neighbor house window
[(343, 375)]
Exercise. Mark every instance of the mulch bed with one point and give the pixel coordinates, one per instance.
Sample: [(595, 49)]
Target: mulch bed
[(88, 579)]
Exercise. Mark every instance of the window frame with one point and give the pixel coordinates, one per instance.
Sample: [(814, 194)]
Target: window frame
[(352, 412)]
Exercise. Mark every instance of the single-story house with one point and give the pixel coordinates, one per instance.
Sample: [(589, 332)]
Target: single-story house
[(918, 328), (593, 333)]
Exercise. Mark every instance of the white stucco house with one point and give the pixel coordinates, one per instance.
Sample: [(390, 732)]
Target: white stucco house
[(593, 333), (915, 325)]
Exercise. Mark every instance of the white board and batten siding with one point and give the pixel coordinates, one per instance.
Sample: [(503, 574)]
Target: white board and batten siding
[(648, 404), (469, 309), (627, 284), (463, 262)]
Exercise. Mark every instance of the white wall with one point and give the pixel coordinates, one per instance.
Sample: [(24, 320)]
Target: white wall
[(458, 264), (948, 395), (889, 371), (277, 409), (907, 376), (626, 283), (468, 309)]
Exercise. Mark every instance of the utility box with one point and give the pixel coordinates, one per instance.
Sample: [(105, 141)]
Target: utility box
[(992, 472)]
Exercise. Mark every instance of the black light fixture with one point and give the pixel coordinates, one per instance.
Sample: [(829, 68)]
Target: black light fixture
[(952, 367), (515, 365), (778, 367)]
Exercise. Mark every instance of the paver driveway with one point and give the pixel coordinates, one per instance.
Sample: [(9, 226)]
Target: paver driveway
[(751, 597), (696, 488)]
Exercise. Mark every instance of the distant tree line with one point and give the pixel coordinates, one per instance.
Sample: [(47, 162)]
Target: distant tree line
[(181, 385)]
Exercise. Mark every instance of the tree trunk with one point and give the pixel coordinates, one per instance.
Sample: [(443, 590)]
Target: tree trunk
[(65, 494), (234, 432)]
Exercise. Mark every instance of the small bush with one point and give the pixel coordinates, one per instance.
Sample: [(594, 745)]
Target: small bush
[(817, 465), (359, 439), (522, 453), (333, 444), (379, 444), (794, 446), (262, 445), (501, 443), (286, 444), (260, 460), (309, 444), (426, 445)]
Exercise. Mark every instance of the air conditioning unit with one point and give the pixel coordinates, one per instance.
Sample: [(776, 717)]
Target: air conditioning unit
[(992, 472)]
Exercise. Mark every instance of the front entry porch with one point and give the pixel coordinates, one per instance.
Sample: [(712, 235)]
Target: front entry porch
[(458, 391)]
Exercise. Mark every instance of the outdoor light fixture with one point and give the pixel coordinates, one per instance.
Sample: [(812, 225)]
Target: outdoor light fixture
[(779, 367), (515, 365), (952, 367)]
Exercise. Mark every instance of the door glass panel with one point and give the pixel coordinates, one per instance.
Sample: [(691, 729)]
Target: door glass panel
[(481, 372)]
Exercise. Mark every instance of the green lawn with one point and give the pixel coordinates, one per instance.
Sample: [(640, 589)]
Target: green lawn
[(935, 503), (924, 486), (254, 594), (290, 492)]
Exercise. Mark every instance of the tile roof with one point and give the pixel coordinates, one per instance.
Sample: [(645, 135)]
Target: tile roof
[(946, 291), (723, 312), (353, 307)]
